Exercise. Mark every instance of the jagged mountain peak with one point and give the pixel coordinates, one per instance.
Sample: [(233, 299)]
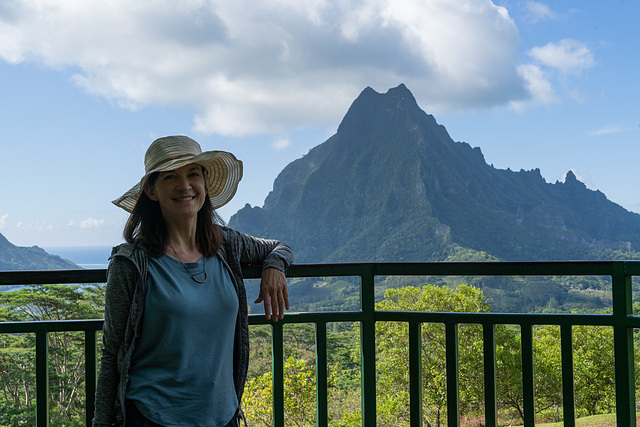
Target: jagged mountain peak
[(399, 97), (391, 185), (571, 180), (397, 105), (570, 177)]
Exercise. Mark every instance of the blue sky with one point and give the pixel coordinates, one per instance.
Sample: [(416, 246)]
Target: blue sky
[(86, 86)]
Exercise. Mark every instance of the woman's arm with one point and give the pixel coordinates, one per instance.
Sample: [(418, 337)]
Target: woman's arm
[(274, 294), (121, 277), (274, 257)]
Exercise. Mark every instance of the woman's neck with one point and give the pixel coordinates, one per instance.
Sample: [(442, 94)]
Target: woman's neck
[(182, 244)]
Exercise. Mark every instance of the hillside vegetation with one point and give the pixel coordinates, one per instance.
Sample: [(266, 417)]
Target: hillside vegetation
[(29, 258), (391, 185), (593, 363)]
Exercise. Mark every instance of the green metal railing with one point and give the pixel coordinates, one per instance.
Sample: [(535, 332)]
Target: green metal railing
[(621, 320)]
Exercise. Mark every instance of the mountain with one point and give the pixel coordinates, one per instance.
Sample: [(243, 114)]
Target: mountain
[(33, 258), (391, 185)]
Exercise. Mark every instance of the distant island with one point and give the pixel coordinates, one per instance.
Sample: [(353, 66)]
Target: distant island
[(14, 257)]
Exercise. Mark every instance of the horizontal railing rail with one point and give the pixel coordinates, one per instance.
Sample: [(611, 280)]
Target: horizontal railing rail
[(621, 320)]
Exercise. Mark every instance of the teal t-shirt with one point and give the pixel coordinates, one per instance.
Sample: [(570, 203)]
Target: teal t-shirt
[(182, 367)]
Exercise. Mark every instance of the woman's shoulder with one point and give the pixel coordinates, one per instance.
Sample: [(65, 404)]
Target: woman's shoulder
[(229, 235), (134, 252), (230, 238), (127, 249), (128, 261)]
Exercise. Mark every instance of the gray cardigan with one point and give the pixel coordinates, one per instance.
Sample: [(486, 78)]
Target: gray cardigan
[(124, 305)]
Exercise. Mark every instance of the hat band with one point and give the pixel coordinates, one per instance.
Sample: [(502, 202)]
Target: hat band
[(184, 156)]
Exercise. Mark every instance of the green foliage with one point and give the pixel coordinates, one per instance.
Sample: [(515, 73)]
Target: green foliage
[(299, 346), (594, 372), (66, 352), (593, 361), (504, 294), (299, 397), (17, 380), (393, 358)]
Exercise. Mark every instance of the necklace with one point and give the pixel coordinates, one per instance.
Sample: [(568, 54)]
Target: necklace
[(193, 276)]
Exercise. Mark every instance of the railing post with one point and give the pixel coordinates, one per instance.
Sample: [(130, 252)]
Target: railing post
[(91, 373), (42, 378), (368, 348), (415, 373), (623, 347), (322, 419), (568, 386), (453, 387), (490, 400), (278, 373), (528, 386)]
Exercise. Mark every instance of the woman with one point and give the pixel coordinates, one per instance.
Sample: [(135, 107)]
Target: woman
[(175, 342)]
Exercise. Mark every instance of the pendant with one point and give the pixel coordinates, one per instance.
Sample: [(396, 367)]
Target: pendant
[(198, 281)]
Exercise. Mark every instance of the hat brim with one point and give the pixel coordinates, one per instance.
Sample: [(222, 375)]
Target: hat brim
[(223, 172)]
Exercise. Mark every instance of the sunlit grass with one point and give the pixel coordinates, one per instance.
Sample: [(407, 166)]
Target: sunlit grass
[(608, 420)]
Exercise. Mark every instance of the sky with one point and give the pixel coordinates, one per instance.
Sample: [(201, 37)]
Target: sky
[(86, 86)]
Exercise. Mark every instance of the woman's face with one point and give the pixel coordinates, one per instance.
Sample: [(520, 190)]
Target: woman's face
[(180, 192)]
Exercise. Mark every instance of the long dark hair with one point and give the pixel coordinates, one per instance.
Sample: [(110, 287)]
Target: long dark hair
[(146, 224)]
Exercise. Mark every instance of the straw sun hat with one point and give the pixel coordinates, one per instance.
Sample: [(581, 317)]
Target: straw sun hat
[(223, 171)]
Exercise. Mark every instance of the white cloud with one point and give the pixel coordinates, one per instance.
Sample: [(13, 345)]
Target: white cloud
[(552, 63), (605, 130), (539, 87), (86, 224), (248, 67), (281, 143), (539, 12), (567, 56), (91, 223), (3, 221)]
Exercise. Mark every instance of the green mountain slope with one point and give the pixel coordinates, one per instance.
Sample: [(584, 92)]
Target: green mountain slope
[(29, 258), (391, 185)]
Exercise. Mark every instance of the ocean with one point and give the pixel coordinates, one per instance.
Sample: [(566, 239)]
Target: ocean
[(92, 257)]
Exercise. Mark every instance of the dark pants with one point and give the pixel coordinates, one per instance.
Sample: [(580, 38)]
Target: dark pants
[(136, 419)]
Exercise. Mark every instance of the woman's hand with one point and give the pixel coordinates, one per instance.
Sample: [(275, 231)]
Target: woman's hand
[(273, 291)]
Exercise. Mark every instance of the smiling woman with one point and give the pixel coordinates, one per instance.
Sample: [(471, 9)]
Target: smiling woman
[(176, 320), (180, 193)]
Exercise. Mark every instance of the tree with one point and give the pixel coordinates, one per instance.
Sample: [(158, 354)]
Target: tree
[(299, 397), (17, 380), (592, 353), (393, 359), (66, 351), (593, 369)]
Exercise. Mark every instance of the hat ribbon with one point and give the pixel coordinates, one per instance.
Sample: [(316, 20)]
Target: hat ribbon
[(170, 159)]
